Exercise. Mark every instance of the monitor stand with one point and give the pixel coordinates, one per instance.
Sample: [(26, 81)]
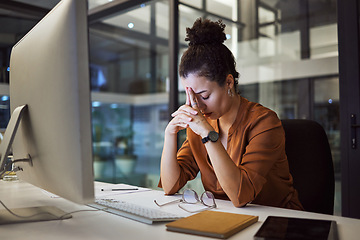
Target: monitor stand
[(29, 214), (9, 136)]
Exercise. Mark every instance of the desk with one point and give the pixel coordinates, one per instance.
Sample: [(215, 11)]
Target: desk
[(101, 225)]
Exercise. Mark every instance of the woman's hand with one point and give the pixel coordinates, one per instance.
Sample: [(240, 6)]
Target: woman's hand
[(189, 115), (181, 117)]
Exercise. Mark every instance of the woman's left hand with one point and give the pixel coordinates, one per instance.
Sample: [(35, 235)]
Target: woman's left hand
[(198, 123)]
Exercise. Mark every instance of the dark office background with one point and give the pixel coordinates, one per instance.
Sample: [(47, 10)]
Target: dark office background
[(287, 52)]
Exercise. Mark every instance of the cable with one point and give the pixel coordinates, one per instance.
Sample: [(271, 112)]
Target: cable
[(3, 171), (19, 216), (84, 210), (62, 217)]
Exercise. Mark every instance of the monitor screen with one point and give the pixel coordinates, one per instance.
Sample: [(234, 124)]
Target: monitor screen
[(49, 74)]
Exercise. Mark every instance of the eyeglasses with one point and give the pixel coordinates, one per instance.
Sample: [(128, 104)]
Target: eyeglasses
[(190, 196)]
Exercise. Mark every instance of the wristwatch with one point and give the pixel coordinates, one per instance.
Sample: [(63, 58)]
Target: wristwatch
[(213, 136)]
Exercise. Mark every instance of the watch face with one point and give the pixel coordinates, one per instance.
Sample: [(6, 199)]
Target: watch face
[(214, 136)]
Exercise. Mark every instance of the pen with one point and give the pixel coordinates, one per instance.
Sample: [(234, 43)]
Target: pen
[(119, 189)]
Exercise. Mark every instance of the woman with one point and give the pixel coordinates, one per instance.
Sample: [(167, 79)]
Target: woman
[(238, 146)]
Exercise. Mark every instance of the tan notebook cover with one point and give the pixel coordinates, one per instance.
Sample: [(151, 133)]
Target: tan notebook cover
[(212, 224)]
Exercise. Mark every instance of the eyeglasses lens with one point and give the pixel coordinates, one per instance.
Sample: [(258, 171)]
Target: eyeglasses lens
[(190, 196), (208, 199)]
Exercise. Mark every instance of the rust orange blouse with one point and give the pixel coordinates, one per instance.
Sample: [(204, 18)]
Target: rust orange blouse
[(256, 143)]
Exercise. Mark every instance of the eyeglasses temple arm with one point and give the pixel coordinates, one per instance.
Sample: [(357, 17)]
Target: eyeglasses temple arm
[(163, 204), (196, 211)]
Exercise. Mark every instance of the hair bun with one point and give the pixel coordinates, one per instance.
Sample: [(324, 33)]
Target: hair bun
[(206, 32)]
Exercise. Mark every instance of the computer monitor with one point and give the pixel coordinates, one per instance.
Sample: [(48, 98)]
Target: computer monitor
[(49, 78)]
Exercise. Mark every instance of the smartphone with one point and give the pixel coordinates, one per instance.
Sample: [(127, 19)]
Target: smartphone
[(281, 228)]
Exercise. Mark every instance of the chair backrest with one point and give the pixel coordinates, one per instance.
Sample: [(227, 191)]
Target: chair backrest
[(310, 163)]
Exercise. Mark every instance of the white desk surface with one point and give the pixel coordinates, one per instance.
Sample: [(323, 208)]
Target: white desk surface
[(101, 225)]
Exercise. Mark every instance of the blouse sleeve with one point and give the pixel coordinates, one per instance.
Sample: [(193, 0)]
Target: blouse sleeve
[(265, 146), (188, 167)]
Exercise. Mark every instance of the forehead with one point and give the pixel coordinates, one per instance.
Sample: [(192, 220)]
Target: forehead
[(198, 83)]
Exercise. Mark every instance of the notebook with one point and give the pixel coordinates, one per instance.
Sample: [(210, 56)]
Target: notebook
[(212, 224)]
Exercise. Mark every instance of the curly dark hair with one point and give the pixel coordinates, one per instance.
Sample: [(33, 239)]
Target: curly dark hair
[(206, 55)]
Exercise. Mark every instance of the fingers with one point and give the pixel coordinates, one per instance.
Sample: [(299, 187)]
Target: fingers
[(187, 97), (186, 110), (194, 105), (192, 98), (178, 123), (187, 117)]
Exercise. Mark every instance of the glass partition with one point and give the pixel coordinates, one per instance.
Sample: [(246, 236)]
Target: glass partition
[(129, 79), (4, 112), (287, 56)]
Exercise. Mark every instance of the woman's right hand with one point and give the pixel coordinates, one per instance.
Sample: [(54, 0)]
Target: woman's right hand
[(170, 169), (182, 117)]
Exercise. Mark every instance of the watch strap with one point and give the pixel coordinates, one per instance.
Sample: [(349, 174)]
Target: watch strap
[(205, 139), (212, 136)]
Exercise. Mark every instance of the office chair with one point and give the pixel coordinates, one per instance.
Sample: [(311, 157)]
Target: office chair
[(310, 163)]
